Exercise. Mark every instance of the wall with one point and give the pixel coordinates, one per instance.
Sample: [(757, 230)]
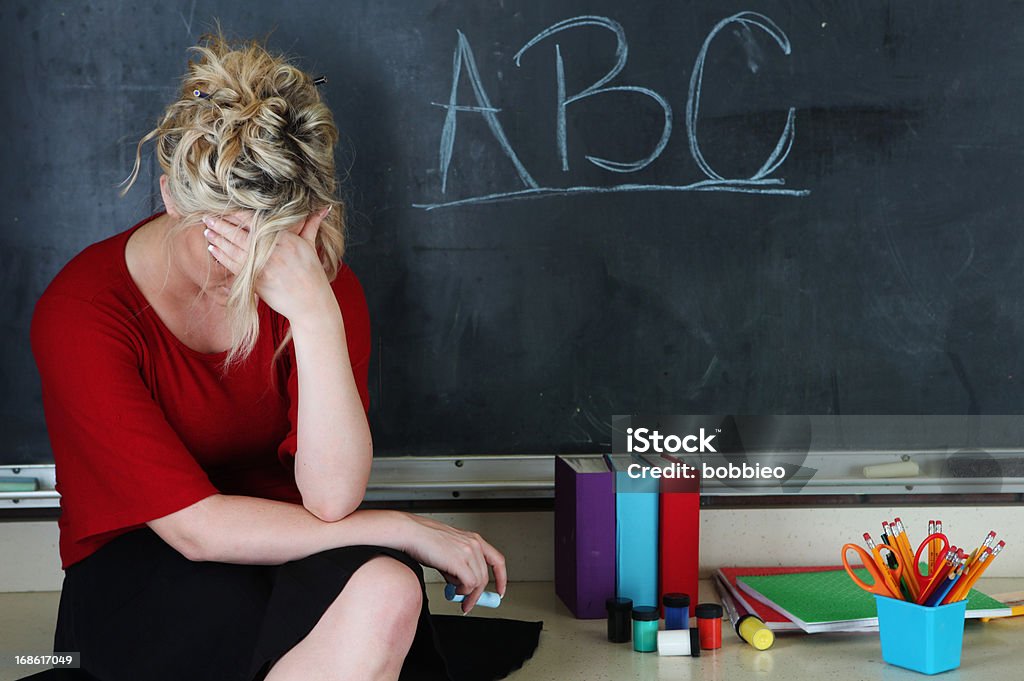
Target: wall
[(728, 537)]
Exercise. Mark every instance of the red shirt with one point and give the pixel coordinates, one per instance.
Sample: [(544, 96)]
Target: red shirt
[(140, 424)]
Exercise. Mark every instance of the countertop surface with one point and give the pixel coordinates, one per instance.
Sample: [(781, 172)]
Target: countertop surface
[(577, 650)]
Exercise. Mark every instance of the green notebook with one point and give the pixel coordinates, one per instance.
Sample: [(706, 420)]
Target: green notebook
[(830, 601)]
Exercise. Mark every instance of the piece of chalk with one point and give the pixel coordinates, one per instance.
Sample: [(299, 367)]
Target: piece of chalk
[(488, 599), (19, 484), (900, 469)]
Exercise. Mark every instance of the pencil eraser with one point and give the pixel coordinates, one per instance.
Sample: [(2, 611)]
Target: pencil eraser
[(900, 469)]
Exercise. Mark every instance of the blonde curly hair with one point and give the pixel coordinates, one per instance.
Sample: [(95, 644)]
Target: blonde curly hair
[(249, 132)]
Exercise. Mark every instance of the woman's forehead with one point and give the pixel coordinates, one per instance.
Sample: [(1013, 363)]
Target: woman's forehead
[(243, 217)]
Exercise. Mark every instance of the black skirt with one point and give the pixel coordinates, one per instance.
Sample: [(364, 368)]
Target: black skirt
[(138, 609)]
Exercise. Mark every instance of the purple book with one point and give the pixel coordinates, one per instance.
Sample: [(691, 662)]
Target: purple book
[(584, 534)]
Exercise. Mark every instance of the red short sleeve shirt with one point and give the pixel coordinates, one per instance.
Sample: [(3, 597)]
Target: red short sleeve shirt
[(140, 424)]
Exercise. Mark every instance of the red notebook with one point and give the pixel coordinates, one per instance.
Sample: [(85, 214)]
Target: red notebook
[(775, 620)]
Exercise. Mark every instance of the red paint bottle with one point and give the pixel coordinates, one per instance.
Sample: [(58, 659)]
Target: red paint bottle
[(709, 625)]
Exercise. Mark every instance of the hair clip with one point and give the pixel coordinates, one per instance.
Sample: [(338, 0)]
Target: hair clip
[(320, 80), (200, 94)]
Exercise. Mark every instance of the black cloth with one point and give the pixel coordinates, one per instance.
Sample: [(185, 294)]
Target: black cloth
[(138, 609)]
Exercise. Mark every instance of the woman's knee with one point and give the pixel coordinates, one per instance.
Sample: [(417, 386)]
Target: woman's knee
[(389, 592)]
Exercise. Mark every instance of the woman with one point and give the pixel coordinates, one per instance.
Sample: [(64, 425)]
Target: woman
[(205, 387)]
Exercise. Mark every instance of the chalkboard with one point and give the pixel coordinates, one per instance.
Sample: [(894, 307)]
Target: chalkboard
[(567, 210)]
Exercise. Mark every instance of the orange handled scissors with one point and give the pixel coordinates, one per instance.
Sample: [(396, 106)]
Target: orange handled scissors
[(885, 580), (922, 579)]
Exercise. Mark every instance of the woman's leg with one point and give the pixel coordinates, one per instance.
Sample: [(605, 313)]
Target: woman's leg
[(365, 633)]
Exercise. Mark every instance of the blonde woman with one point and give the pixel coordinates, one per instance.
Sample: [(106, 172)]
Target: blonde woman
[(205, 387)]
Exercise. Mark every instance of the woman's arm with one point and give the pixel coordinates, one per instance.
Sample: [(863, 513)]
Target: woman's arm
[(333, 457), (334, 450), (252, 531)]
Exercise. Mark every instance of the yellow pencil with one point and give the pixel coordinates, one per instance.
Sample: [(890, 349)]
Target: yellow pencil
[(964, 587), (901, 555), (984, 545), (908, 552), (981, 565), (931, 548), (890, 580), (1014, 600)]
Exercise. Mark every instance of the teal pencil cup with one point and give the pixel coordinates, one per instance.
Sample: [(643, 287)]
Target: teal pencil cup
[(927, 640)]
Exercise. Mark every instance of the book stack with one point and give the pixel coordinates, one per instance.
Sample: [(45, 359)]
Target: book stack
[(617, 535)]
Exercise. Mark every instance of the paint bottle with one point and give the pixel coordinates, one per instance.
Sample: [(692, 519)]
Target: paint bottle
[(679, 642), (618, 619), (677, 610), (645, 628), (709, 624)]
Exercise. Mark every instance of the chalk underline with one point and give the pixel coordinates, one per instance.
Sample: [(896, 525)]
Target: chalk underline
[(740, 186)]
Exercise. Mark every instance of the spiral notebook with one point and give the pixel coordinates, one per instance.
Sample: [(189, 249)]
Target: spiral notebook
[(772, 618), (828, 600)]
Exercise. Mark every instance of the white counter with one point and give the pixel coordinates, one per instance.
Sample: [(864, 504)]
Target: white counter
[(577, 650)]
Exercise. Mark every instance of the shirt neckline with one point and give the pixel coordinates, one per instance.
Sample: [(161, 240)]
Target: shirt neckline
[(147, 307)]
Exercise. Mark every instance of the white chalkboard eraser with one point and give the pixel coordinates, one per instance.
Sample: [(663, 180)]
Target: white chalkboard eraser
[(900, 469)]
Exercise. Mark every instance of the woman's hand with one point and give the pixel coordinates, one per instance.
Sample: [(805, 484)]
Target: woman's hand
[(293, 282), (461, 557)]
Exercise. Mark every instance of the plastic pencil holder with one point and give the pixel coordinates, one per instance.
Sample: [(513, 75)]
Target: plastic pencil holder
[(927, 640)]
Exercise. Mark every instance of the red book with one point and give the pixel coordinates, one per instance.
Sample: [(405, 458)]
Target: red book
[(679, 532)]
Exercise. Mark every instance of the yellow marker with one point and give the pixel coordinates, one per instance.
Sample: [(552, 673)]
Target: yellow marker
[(750, 628), (754, 631)]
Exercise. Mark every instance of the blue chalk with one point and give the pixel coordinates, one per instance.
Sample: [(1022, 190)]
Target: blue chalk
[(488, 599)]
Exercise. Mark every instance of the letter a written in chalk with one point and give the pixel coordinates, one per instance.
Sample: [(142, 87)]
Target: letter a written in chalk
[(464, 56)]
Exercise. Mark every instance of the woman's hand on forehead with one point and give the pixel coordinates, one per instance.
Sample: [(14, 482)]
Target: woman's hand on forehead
[(242, 218), (293, 275)]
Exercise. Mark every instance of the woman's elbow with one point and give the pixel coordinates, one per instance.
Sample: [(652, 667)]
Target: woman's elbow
[(333, 510), (329, 498), (188, 530)]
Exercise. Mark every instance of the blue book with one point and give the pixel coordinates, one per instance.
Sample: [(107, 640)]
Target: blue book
[(636, 532)]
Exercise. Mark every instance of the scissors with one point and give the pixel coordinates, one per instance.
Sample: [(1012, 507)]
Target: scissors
[(885, 580), (921, 578)]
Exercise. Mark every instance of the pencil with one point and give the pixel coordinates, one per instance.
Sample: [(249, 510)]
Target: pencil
[(984, 545), (931, 548), (980, 568), (908, 552)]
